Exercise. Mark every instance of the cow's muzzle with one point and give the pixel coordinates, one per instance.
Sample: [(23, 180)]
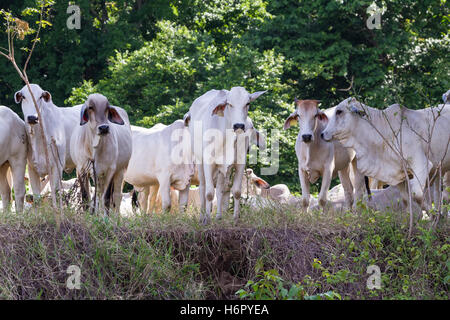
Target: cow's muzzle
[(32, 119), (103, 129), (307, 138), (238, 126)]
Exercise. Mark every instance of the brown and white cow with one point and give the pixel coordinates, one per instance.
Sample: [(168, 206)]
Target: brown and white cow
[(319, 158), (102, 144)]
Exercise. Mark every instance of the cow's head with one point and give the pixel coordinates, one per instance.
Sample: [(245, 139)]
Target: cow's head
[(234, 107), (42, 97), (99, 114), (308, 115), (342, 119), (253, 184), (446, 97)]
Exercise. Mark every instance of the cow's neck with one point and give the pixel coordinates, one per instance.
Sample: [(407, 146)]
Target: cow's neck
[(367, 142)]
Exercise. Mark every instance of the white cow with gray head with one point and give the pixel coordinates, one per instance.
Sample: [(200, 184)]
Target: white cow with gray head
[(58, 124), (101, 144), (217, 124), (373, 134)]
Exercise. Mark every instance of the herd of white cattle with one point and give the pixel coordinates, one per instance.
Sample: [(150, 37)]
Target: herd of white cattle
[(209, 146)]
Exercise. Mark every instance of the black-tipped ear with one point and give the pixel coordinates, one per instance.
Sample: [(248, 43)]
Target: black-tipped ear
[(46, 96), (84, 115), (18, 97), (187, 119), (114, 116)]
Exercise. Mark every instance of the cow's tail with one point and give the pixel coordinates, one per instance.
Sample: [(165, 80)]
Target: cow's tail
[(366, 182), (134, 199)]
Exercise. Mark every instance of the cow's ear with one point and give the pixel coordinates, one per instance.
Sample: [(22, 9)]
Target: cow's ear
[(46, 96), (322, 116), (356, 111), (291, 120), (256, 95), (114, 116), (84, 115), (218, 110), (261, 183), (18, 97), (187, 119)]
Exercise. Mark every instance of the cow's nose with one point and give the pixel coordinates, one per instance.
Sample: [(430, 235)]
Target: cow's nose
[(32, 119), (103, 129), (238, 126), (306, 137)]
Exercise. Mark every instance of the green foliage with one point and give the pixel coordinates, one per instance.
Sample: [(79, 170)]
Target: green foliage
[(268, 285), (155, 57)]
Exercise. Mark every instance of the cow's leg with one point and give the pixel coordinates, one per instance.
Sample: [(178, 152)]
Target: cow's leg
[(304, 183), (35, 182), (18, 172), (117, 190), (326, 181), (104, 191), (5, 188), (344, 176), (220, 190), (201, 188), (209, 190), (236, 189), (153, 198), (164, 189), (421, 167), (183, 197), (143, 199), (83, 180), (359, 185), (403, 188), (55, 183)]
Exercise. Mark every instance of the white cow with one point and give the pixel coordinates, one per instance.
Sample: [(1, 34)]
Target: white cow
[(372, 133), (318, 158), (150, 197), (59, 124), (13, 155), (217, 123), (161, 159), (102, 145)]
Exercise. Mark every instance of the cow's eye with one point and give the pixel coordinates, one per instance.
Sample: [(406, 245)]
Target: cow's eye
[(338, 112)]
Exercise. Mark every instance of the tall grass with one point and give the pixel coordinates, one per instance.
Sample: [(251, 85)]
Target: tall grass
[(172, 256)]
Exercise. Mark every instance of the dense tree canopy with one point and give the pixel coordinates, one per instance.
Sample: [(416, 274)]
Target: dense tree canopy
[(155, 57)]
